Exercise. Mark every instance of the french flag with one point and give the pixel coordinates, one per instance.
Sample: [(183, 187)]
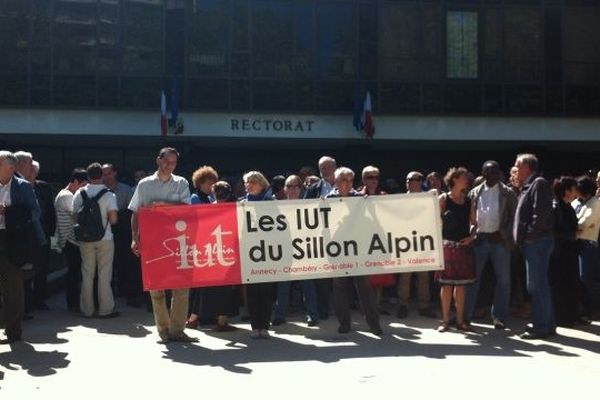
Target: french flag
[(367, 117), (164, 122)]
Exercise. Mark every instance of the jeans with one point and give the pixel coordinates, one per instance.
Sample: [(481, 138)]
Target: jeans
[(537, 261), (589, 272), (73, 259), (499, 255), (309, 295)]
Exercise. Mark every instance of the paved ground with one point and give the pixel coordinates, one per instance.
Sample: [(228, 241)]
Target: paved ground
[(69, 357)]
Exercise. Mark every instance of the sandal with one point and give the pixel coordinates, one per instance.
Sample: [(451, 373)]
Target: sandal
[(463, 326), (192, 323), (444, 326), (225, 328)]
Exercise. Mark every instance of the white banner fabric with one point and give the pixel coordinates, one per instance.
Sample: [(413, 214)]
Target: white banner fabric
[(325, 238)]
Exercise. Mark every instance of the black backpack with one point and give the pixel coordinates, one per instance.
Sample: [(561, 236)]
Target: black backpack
[(89, 226)]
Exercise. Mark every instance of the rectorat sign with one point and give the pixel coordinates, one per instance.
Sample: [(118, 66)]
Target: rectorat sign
[(271, 125)]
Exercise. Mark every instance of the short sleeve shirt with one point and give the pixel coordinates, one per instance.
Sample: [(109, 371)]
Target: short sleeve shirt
[(124, 193), (151, 189), (107, 202)]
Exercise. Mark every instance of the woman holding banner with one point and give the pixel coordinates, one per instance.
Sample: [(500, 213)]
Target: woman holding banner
[(259, 295), (203, 180), (220, 298), (342, 287), (458, 254), (293, 189), (372, 187)]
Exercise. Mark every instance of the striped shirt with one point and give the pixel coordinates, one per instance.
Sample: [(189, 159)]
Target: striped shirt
[(64, 218)]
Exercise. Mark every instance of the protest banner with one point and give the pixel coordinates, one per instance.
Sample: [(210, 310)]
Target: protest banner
[(271, 241)]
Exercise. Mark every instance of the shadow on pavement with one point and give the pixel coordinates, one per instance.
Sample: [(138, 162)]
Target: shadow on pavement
[(36, 363), (397, 342)]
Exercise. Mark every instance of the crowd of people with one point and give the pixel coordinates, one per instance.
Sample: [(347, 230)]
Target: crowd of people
[(538, 236)]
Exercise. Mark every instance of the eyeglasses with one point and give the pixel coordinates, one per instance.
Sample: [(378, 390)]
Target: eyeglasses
[(372, 177)]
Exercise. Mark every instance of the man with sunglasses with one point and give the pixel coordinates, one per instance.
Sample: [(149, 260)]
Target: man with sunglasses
[(414, 184)]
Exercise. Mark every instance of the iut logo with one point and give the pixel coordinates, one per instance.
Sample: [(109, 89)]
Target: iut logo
[(190, 256)]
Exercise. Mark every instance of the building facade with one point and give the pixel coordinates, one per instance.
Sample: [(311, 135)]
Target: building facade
[(447, 77)]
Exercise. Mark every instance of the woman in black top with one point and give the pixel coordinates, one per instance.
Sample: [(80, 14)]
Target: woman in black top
[(564, 262), (458, 257)]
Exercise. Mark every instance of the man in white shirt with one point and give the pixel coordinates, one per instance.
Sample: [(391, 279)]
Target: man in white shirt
[(163, 188), (492, 215), (587, 208), (98, 254), (63, 206)]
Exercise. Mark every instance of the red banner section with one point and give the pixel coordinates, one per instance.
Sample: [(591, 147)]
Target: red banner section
[(189, 246)]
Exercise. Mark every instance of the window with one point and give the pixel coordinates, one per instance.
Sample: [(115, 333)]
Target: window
[(174, 38), (75, 37), (13, 89), (239, 12), (524, 99), (141, 92), (209, 94), (272, 95), (14, 36), (40, 90), (40, 12), (367, 44), (492, 102), (432, 98), (400, 41), (462, 98), (305, 95), (432, 66), (523, 48), (108, 92), (272, 38), (462, 53), (142, 37), (582, 100), (304, 39), (554, 100), (582, 45), (208, 35), (492, 69), (335, 96), (400, 97), (336, 36), (75, 91), (240, 95)]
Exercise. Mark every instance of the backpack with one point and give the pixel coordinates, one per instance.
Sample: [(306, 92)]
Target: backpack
[(89, 226)]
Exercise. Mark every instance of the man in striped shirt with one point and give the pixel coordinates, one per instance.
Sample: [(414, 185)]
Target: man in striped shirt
[(66, 237)]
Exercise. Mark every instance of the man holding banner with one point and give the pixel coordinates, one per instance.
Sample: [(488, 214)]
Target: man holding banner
[(321, 188), (342, 287), (163, 188)]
